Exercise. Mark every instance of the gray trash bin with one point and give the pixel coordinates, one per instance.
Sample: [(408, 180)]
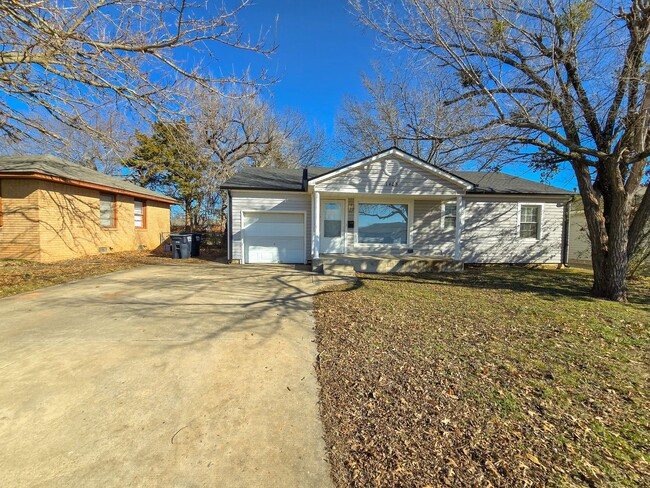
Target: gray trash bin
[(196, 243), (181, 246)]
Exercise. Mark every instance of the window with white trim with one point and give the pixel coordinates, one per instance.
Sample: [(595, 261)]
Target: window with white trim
[(382, 223), (138, 213), (449, 215), (530, 217), (107, 210)]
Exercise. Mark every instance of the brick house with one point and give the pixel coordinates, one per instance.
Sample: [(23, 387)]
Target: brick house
[(51, 209)]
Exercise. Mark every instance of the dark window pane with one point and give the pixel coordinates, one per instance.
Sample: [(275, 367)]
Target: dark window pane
[(528, 230), (332, 228)]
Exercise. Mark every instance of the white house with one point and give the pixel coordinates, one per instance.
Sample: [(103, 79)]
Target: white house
[(393, 204)]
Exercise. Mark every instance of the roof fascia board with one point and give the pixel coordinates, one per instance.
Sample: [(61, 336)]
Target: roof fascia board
[(258, 189), (400, 154), (519, 196), (85, 184)]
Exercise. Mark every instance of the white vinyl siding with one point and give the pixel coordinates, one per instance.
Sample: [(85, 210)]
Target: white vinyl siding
[(579, 243), (390, 176), (491, 232), (428, 237), (267, 201)]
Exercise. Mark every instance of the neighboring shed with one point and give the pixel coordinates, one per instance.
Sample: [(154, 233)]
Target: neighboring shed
[(51, 209), (579, 243)]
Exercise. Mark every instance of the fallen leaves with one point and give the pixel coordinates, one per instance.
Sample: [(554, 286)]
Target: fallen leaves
[(497, 377)]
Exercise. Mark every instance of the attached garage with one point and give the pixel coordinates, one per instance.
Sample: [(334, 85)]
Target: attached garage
[(274, 237)]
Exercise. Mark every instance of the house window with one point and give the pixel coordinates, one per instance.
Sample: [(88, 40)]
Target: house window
[(382, 223), (139, 217), (1, 207), (107, 210), (448, 216), (529, 221)]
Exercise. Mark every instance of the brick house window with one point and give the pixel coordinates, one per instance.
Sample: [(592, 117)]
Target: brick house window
[(139, 214), (107, 210)]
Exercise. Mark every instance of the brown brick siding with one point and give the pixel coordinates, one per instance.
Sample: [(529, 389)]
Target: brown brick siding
[(19, 232), (65, 223)]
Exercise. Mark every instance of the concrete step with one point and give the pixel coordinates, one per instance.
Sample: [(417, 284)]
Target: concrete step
[(334, 269), (347, 265)]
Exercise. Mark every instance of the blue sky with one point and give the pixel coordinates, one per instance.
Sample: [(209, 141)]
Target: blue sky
[(321, 53)]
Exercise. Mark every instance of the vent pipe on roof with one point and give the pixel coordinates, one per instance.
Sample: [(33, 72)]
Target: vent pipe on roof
[(305, 178)]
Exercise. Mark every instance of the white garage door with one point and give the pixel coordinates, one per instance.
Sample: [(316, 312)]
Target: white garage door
[(274, 237)]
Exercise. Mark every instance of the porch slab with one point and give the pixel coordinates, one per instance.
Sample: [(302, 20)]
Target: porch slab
[(346, 264)]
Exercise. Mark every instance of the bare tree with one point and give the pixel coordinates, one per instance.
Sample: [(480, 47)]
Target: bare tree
[(242, 129), (66, 59), (214, 136), (567, 80), (407, 109), (104, 147)]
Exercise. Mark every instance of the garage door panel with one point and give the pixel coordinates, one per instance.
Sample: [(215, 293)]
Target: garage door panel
[(263, 229), (274, 238)]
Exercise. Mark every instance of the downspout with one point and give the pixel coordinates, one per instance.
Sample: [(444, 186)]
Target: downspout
[(228, 229), (565, 232)]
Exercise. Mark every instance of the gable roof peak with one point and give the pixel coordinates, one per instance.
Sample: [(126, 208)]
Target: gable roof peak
[(448, 175)]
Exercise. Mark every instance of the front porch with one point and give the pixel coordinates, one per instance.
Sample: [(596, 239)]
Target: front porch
[(349, 264)]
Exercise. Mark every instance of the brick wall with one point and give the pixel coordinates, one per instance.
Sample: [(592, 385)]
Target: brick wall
[(19, 231), (67, 223)]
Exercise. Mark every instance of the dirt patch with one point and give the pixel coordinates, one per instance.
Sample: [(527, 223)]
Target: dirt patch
[(18, 276), (495, 377)]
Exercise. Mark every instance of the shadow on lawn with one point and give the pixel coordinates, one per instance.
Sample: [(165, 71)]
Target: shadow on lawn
[(548, 284)]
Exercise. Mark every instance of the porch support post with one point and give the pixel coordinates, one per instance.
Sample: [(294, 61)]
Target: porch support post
[(316, 216), (460, 222)]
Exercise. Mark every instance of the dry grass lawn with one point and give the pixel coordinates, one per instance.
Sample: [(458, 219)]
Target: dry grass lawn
[(499, 376), (17, 276)]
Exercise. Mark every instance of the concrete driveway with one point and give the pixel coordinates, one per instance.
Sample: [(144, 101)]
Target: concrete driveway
[(179, 375)]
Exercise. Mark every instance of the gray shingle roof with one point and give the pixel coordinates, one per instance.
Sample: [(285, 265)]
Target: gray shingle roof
[(272, 178), (52, 166), (490, 182), (292, 180)]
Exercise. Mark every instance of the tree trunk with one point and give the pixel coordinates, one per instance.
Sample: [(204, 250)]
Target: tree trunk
[(609, 253), (608, 224), (188, 216), (610, 272)]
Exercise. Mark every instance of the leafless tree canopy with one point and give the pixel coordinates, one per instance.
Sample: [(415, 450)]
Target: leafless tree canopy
[(191, 155), (565, 78), (242, 129), (408, 110), (65, 58), (105, 148)]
